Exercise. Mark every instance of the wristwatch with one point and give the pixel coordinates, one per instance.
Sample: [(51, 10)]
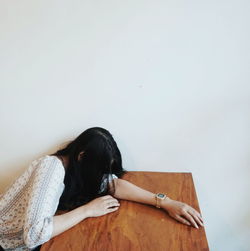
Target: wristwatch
[(158, 198)]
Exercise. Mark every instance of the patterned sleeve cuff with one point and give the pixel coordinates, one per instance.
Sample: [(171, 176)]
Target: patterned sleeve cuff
[(37, 235), (105, 180)]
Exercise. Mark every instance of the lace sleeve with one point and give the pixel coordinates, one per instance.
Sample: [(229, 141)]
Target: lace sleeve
[(105, 180), (43, 198)]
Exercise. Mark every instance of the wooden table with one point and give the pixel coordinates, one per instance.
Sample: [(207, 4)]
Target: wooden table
[(137, 227)]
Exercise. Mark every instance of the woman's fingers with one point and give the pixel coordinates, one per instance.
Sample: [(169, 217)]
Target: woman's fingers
[(111, 202), (106, 197), (112, 209), (109, 198), (183, 213), (190, 219), (196, 215), (197, 218), (182, 220)]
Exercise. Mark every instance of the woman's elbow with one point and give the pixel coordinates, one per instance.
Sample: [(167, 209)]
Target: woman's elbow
[(38, 233), (28, 241)]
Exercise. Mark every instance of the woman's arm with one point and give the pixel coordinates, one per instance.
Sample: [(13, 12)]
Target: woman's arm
[(65, 221), (178, 210), (97, 207)]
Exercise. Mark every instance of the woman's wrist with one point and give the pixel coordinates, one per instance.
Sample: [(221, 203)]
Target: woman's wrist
[(166, 203), (67, 220), (86, 211)]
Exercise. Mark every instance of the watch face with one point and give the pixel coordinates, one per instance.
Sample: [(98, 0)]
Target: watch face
[(160, 195)]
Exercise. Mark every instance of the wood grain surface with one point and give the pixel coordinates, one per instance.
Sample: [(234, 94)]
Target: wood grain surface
[(137, 227)]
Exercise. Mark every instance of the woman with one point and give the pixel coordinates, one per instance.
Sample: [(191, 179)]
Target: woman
[(84, 178)]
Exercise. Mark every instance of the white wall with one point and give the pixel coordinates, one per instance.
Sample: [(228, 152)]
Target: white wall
[(169, 79)]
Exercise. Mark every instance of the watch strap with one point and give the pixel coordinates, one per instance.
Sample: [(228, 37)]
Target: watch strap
[(159, 197)]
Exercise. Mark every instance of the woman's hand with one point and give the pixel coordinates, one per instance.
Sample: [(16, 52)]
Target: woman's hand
[(101, 206), (94, 208), (182, 212)]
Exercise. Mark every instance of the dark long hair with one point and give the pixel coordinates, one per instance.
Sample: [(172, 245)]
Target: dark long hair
[(83, 177)]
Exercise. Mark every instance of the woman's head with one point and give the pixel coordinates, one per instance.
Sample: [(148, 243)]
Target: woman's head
[(92, 156)]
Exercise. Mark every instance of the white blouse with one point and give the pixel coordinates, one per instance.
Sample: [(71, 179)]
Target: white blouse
[(28, 206)]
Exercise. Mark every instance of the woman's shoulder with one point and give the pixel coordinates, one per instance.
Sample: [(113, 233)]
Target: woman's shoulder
[(46, 166), (45, 163), (45, 159)]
